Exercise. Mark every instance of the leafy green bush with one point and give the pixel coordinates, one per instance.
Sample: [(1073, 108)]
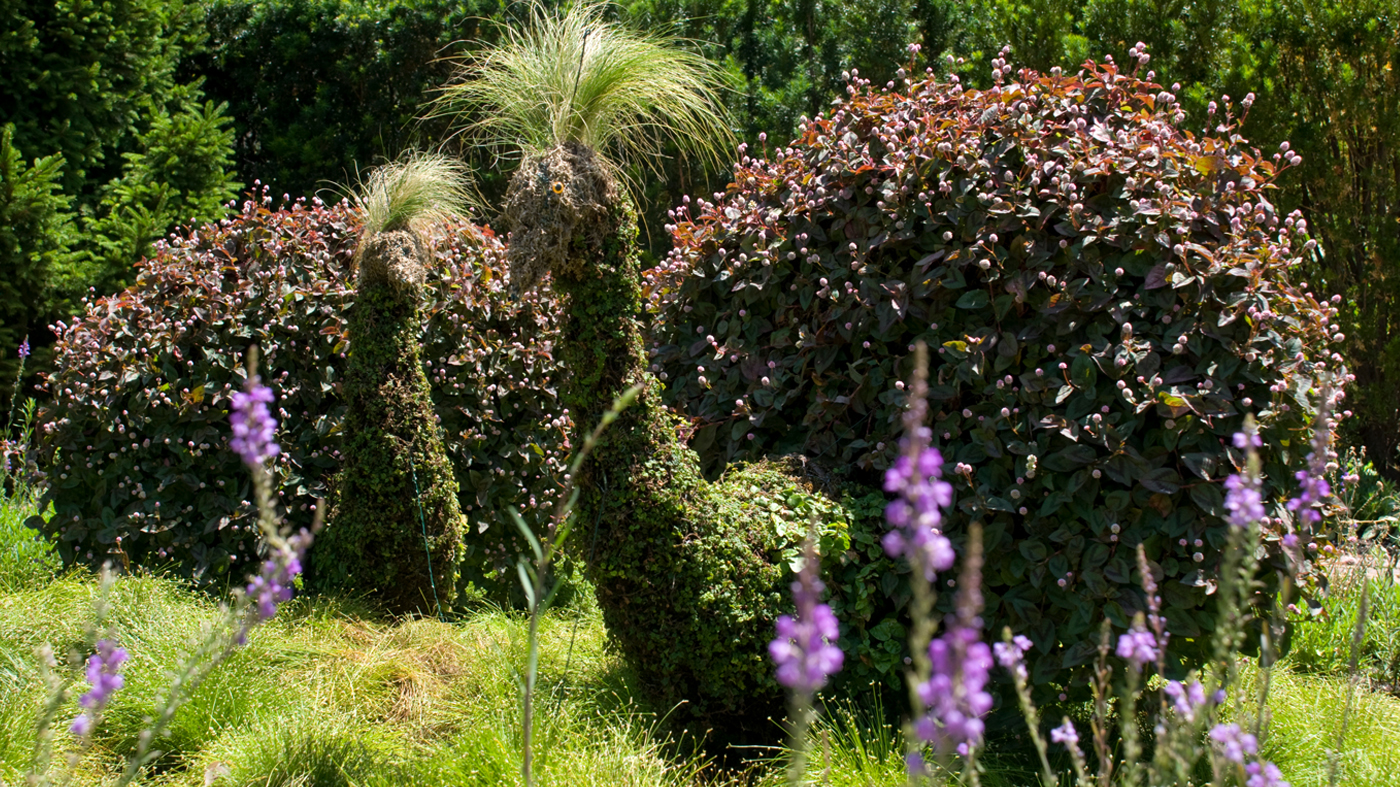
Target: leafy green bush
[(1322, 639), (1107, 294), (134, 437), (1324, 75)]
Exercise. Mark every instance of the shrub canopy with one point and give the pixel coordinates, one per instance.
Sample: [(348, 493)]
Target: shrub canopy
[(1107, 293), (135, 434)]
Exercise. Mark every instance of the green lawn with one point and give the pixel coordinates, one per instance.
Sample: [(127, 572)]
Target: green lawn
[(328, 693)]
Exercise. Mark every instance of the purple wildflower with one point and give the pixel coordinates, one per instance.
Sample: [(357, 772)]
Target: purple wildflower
[(917, 514), (254, 429), (1243, 500), (24, 348), (274, 584), (1264, 774), (955, 694), (1313, 483), (1009, 654), (1233, 743), (805, 648), (1244, 440), (1138, 646), (1315, 490), (104, 675), (1186, 698), (1066, 734)]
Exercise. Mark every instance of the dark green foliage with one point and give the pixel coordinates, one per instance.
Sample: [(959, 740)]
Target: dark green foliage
[(76, 76), (1107, 296), (1323, 72), (785, 61), (321, 89), (135, 433), (175, 175), (95, 84), (33, 244), (1334, 89), (394, 529)]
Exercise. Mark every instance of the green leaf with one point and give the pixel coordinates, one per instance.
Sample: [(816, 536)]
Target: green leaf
[(973, 299), (1033, 550), (1163, 480)]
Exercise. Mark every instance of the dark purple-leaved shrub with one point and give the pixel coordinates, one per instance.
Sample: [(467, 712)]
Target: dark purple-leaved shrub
[(1106, 295), (136, 432)]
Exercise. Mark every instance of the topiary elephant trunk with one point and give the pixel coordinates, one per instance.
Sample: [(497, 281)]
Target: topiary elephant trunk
[(690, 574), (394, 527)]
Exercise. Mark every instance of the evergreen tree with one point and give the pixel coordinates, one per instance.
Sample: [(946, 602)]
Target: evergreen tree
[(92, 87)]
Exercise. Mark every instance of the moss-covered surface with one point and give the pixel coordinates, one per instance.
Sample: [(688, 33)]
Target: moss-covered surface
[(394, 502), (690, 574)]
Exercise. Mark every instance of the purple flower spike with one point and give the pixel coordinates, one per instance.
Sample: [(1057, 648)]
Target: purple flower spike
[(1233, 743), (1314, 489), (274, 585), (1065, 734), (254, 429), (955, 694), (24, 348), (1264, 774), (104, 675), (1243, 500), (1138, 646), (805, 649), (1186, 698), (1009, 654), (917, 514)]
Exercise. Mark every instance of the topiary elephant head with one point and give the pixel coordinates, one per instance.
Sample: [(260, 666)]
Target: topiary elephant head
[(559, 205)]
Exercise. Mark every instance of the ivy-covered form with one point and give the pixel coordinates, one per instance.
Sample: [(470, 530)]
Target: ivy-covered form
[(394, 528), (690, 574), (135, 431), (1107, 294)]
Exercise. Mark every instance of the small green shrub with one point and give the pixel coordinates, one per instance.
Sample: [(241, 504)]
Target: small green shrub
[(134, 436), (1107, 294), (1321, 639)]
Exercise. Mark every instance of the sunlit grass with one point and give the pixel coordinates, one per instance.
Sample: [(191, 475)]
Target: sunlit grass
[(1323, 643), (328, 693), (321, 697), (1305, 718)]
